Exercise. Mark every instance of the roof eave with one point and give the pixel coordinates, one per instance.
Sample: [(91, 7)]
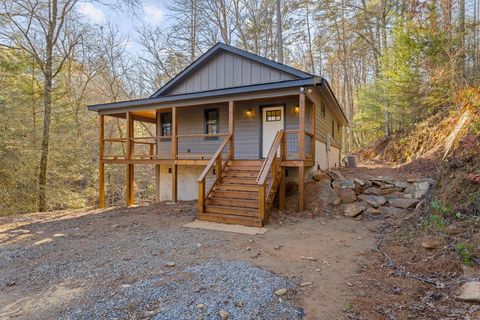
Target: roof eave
[(204, 94)]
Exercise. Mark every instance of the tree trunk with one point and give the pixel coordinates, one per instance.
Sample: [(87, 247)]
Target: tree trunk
[(47, 105), (279, 31), (461, 31)]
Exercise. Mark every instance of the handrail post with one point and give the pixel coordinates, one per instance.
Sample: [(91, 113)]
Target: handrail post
[(201, 196), (261, 203), (219, 167)]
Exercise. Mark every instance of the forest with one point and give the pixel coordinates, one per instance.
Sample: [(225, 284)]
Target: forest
[(391, 63)]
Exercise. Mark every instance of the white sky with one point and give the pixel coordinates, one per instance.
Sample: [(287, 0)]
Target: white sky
[(152, 12)]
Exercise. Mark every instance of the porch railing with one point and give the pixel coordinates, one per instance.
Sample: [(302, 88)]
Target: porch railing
[(271, 168), (299, 145), (213, 171)]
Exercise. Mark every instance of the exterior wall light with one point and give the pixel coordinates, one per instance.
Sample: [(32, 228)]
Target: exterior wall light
[(296, 109), (249, 113)]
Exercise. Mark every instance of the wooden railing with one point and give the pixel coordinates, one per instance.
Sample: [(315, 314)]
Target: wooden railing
[(187, 146), (300, 145), (150, 154), (218, 164), (271, 166)]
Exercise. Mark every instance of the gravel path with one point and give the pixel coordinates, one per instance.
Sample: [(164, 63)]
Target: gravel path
[(120, 265), (241, 289)]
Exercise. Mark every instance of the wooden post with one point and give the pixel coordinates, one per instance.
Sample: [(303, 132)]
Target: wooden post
[(301, 128), (218, 164), (157, 183), (101, 164), (130, 170), (201, 196), (282, 190), (301, 187), (312, 130), (157, 166), (283, 154), (174, 133), (231, 127), (174, 154), (261, 203)]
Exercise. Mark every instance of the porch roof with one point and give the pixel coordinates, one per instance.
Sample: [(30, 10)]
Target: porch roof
[(202, 97)]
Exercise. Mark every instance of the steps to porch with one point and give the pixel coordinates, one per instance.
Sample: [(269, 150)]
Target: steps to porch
[(234, 198), (243, 191)]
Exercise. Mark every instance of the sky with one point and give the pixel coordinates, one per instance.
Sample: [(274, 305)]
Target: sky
[(151, 12)]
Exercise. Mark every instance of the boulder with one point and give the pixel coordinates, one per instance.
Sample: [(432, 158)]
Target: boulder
[(373, 200), (385, 179), (321, 175), (380, 191), (353, 209), (359, 185), (326, 194), (347, 195), (421, 188), (433, 242), (338, 184), (373, 211), (470, 292), (382, 185), (403, 203), (390, 211), (401, 184)]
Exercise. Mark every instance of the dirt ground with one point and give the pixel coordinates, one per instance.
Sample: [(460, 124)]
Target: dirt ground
[(52, 262), (79, 265)]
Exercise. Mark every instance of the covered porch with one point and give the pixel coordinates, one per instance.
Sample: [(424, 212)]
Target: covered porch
[(206, 134)]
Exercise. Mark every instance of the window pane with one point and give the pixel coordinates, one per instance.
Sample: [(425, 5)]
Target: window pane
[(211, 121), (274, 115)]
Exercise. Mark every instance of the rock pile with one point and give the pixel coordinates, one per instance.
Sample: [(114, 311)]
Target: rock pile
[(376, 195)]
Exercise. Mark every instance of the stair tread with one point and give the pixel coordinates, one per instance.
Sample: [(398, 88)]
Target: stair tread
[(231, 219)]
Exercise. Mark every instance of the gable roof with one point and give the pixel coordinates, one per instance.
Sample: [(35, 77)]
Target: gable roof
[(228, 63)]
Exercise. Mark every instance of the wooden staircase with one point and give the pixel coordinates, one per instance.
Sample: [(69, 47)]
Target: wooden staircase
[(234, 197), (244, 190)]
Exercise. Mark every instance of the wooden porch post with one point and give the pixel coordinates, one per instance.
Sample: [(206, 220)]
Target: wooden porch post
[(301, 151), (130, 170), (301, 187), (157, 166), (101, 164), (312, 130), (174, 154), (301, 128), (231, 127)]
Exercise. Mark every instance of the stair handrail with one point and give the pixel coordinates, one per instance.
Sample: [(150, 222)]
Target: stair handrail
[(216, 159), (272, 153)]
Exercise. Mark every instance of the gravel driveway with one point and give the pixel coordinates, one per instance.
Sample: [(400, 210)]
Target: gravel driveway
[(140, 263)]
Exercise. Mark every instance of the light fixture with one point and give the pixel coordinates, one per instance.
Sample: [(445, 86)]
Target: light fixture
[(296, 109), (249, 113)]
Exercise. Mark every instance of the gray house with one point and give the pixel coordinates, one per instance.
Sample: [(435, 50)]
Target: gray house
[(231, 128)]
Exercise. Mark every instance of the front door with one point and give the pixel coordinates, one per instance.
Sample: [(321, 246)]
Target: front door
[(272, 122)]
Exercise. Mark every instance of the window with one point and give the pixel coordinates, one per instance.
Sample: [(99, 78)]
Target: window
[(322, 110), (274, 115), (166, 124), (211, 121), (333, 128)]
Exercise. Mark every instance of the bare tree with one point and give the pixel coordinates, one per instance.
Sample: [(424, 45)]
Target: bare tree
[(44, 31)]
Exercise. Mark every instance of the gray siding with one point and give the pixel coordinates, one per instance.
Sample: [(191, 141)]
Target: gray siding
[(226, 70)]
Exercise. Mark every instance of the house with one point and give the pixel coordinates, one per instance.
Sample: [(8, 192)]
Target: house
[(231, 129)]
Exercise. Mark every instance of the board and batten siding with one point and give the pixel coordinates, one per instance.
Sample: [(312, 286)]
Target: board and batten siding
[(226, 70), (323, 126)]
